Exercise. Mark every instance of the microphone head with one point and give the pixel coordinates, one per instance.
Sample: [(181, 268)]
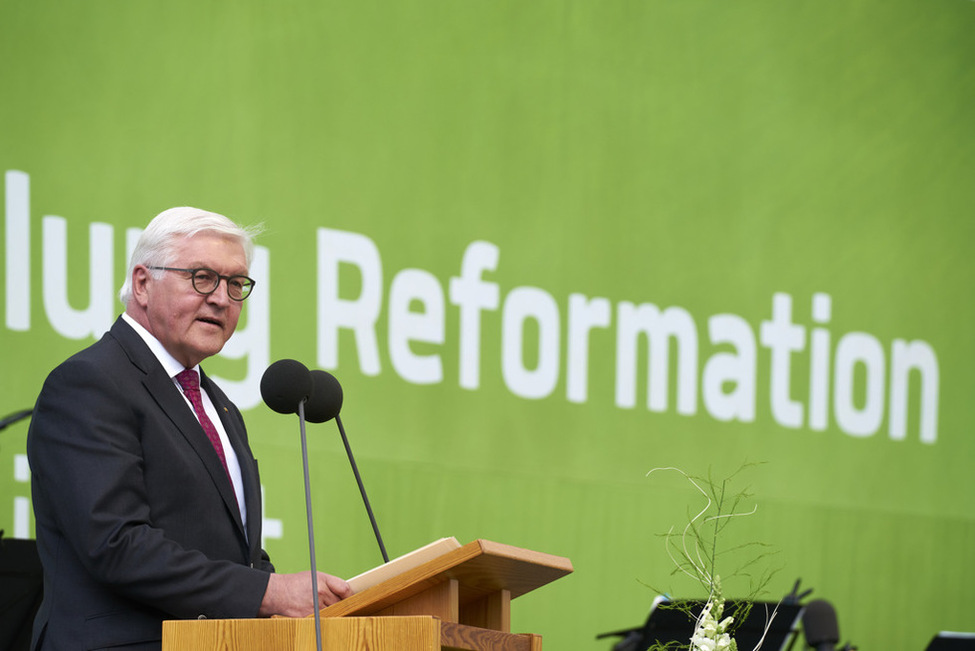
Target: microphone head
[(285, 384), (819, 624), (325, 401)]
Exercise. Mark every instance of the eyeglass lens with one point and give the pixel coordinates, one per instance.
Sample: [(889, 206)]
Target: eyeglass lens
[(206, 281)]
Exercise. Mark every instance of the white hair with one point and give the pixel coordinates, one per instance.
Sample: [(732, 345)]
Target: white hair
[(158, 243)]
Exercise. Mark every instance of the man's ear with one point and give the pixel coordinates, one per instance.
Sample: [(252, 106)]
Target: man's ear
[(140, 282)]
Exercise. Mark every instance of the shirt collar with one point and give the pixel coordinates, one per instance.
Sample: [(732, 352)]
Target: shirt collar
[(169, 363)]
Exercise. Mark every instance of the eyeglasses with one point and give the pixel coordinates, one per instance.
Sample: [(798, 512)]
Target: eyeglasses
[(206, 281)]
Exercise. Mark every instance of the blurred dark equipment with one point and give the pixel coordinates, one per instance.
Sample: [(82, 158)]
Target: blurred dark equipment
[(21, 586), (794, 596), (821, 628), (949, 641), (666, 624), (17, 416)]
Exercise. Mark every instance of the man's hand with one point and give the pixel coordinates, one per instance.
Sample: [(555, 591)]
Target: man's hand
[(290, 594)]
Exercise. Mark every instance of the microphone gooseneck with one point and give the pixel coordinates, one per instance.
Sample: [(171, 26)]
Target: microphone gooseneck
[(311, 529), (285, 387), (362, 489), (324, 403)]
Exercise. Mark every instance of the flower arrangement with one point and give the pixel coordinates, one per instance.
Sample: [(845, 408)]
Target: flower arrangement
[(711, 632), (695, 553)]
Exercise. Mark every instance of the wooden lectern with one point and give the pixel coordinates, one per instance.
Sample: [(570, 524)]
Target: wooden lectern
[(459, 600)]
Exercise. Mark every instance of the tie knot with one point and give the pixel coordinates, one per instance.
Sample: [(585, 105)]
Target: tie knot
[(189, 380)]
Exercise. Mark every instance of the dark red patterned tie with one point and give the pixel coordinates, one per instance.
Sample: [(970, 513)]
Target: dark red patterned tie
[(190, 382)]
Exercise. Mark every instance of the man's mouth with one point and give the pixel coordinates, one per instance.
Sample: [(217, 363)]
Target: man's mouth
[(210, 320)]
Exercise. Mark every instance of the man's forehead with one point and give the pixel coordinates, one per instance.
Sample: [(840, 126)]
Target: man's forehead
[(206, 248)]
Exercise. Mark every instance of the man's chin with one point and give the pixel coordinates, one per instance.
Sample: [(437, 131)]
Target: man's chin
[(208, 346)]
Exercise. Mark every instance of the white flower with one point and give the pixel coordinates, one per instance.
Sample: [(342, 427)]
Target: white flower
[(703, 644), (709, 634)]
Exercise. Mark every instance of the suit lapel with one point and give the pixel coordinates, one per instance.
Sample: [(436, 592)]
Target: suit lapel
[(162, 389), (248, 468)]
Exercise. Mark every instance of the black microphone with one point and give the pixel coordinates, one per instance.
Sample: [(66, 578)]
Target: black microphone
[(820, 626), (286, 386), (325, 404), (325, 401)]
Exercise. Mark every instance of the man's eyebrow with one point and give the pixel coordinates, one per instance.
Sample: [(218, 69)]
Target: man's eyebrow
[(204, 265)]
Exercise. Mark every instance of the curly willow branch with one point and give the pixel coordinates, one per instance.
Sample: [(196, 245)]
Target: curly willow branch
[(696, 556), (699, 566)]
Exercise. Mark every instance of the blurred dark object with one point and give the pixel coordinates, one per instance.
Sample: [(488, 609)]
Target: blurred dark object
[(820, 626), (21, 586), (668, 623), (17, 416), (948, 641), (794, 596)]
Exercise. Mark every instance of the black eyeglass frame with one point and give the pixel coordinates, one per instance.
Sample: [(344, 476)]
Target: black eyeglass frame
[(246, 289)]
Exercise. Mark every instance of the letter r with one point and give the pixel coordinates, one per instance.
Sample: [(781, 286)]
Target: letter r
[(359, 314)]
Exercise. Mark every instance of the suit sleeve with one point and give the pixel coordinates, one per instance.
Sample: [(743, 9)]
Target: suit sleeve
[(90, 486)]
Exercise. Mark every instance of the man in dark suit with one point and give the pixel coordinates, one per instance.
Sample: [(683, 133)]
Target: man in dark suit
[(146, 494)]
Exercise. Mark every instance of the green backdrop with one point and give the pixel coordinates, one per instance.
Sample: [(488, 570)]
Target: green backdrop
[(699, 233)]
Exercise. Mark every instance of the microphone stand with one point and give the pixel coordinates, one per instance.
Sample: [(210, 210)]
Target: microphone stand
[(311, 529), (362, 489)]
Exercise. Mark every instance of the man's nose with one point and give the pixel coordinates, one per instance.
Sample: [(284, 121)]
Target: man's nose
[(221, 295)]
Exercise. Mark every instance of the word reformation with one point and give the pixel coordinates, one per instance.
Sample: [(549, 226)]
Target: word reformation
[(867, 383)]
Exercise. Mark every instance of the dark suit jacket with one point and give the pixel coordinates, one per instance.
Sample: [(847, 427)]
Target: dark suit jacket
[(136, 520)]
